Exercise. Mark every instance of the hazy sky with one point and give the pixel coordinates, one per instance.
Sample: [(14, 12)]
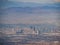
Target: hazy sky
[(36, 1)]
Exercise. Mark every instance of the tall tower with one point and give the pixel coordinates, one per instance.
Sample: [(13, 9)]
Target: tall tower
[(37, 32)]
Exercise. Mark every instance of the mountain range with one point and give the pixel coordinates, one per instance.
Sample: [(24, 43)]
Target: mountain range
[(8, 4)]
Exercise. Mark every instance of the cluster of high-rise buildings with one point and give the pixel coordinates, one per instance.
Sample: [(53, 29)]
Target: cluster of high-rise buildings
[(34, 29)]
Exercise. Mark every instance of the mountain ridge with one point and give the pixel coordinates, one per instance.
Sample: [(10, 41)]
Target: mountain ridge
[(9, 4)]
